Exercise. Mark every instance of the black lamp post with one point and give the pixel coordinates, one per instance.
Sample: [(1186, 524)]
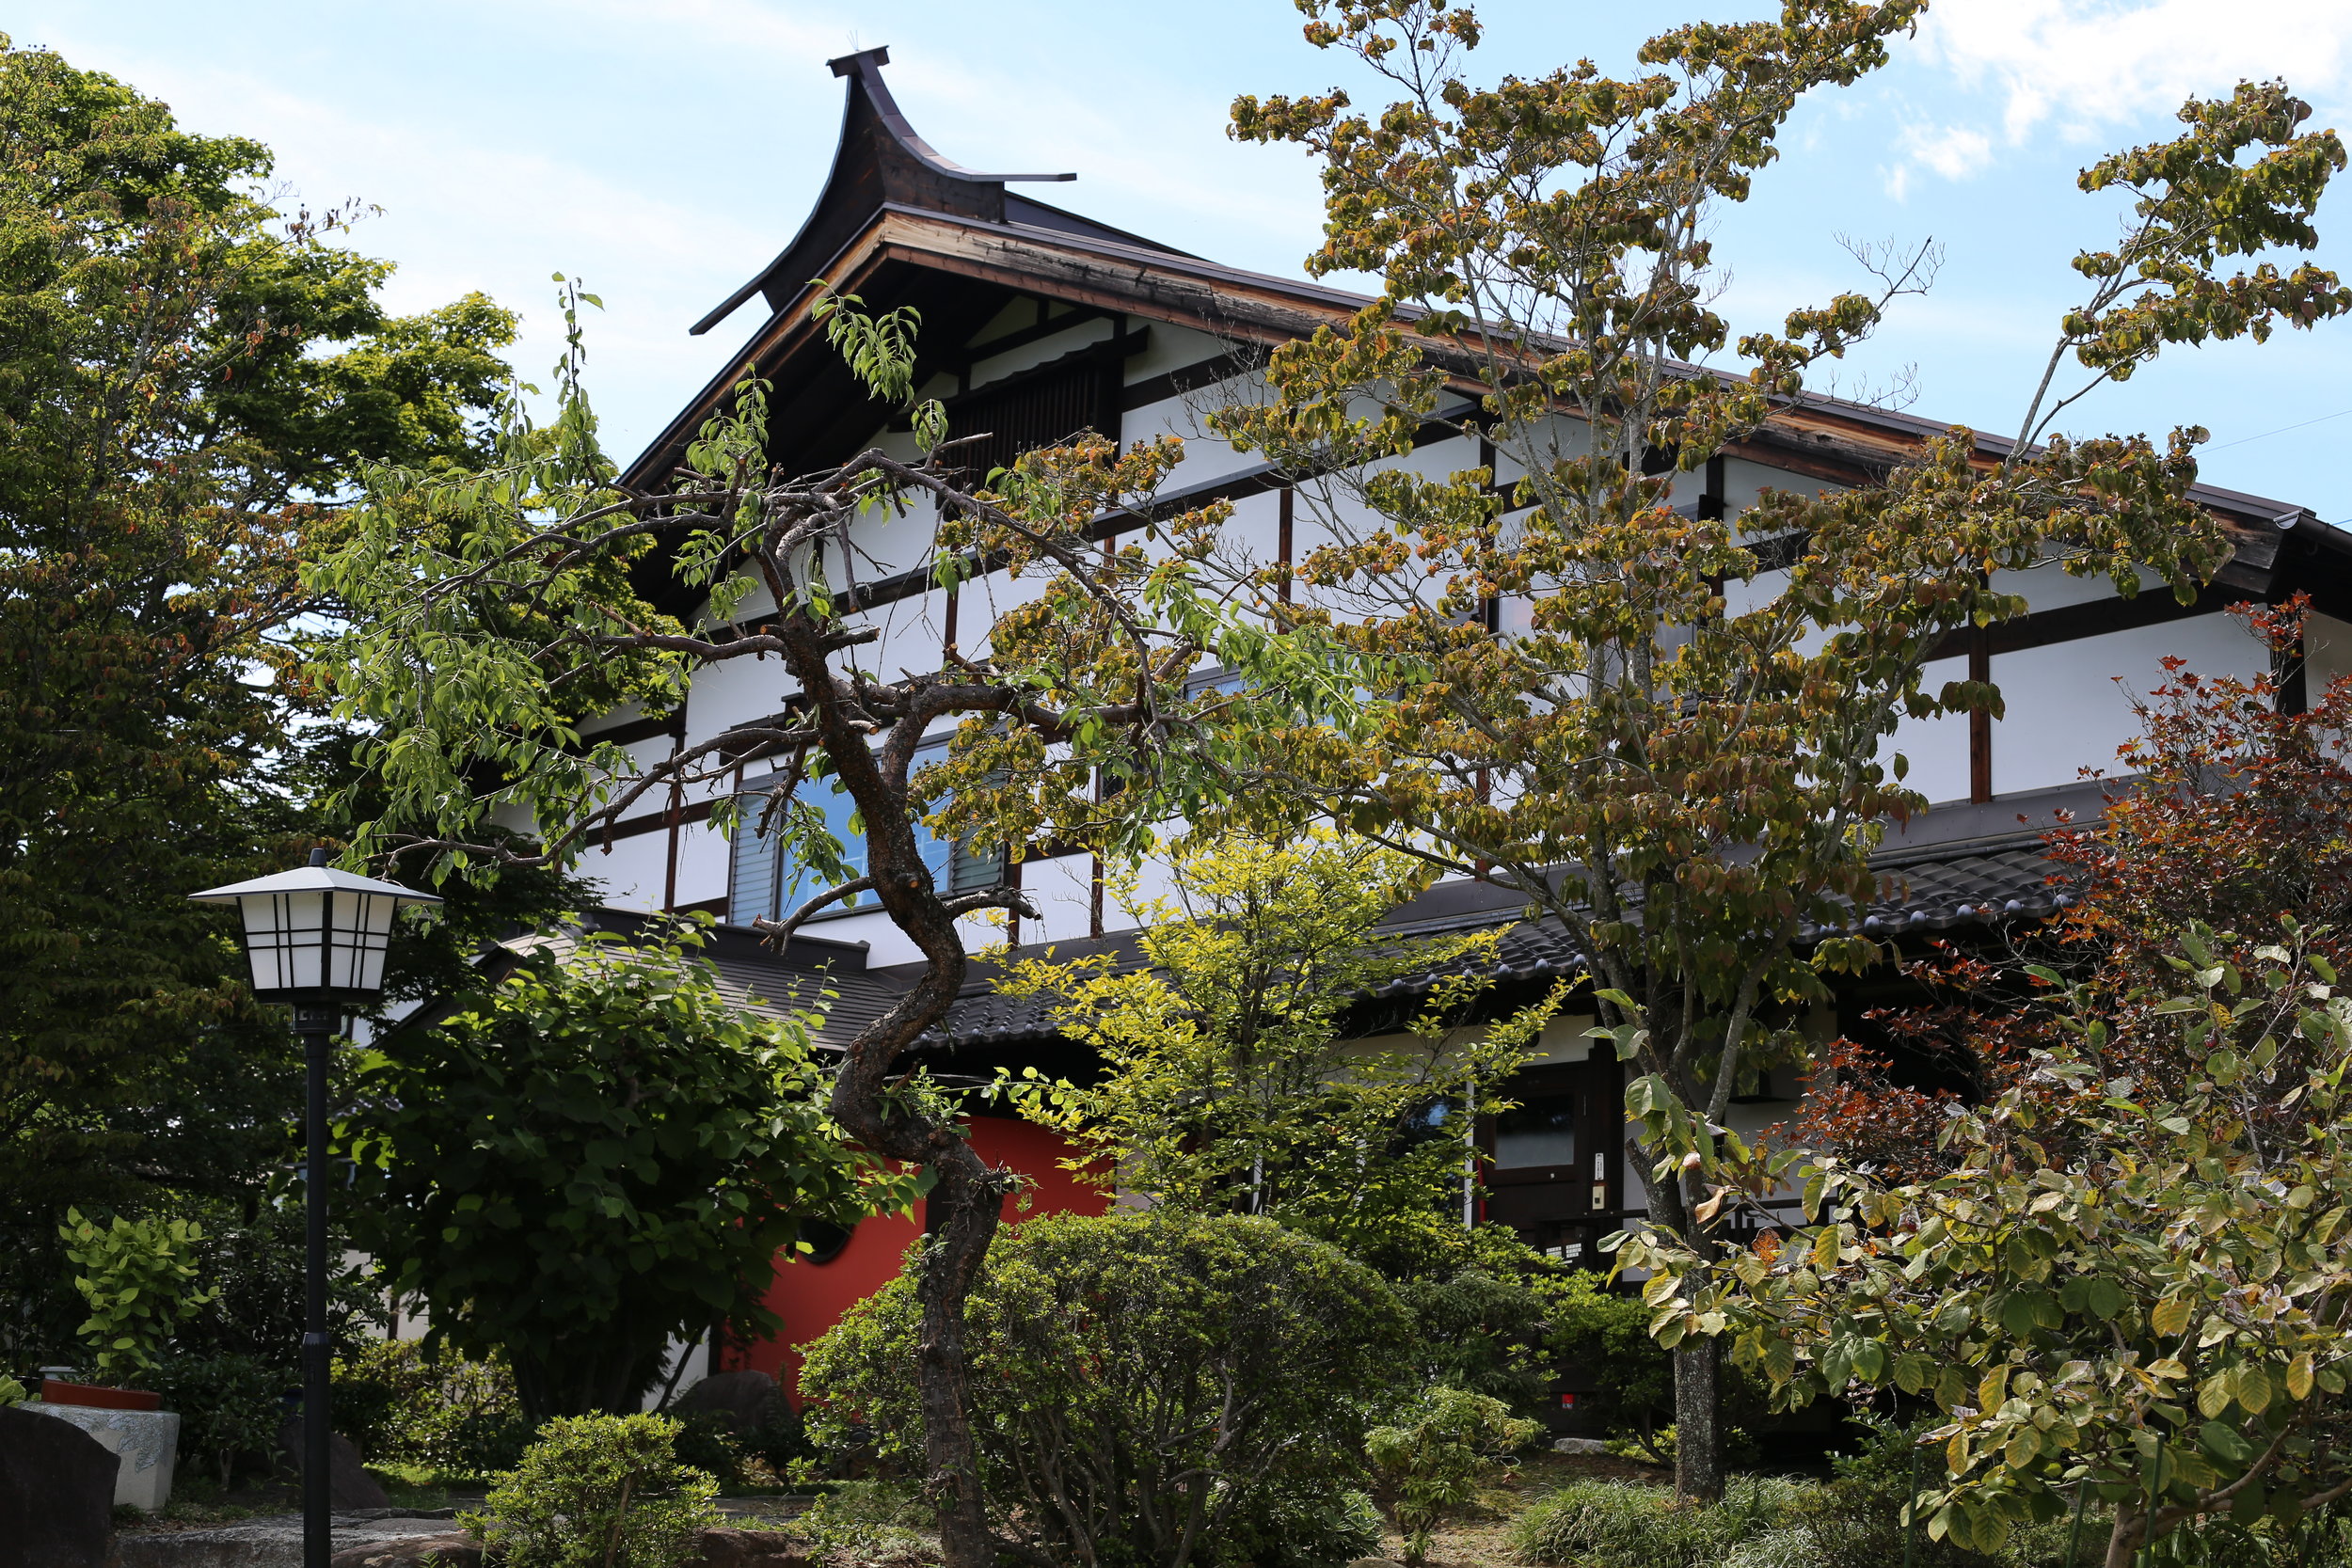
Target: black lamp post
[(315, 938)]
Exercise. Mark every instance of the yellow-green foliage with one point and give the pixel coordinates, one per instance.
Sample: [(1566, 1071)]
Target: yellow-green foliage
[(599, 1492), (1225, 1075), (135, 1275)]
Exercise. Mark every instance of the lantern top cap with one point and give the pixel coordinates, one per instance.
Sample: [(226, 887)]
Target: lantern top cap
[(314, 877)]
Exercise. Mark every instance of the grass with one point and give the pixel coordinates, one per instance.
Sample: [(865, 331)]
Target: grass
[(1608, 1524)]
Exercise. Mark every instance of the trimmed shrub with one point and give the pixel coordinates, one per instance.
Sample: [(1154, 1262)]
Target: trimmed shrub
[(1429, 1462), (599, 1492), (1148, 1389)]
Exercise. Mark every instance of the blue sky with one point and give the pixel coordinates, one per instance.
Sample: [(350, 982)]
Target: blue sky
[(663, 151)]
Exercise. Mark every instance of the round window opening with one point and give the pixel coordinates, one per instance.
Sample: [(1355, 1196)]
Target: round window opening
[(825, 1240)]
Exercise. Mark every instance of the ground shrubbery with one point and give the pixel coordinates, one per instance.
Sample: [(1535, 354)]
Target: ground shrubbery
[(1852, 1520), (1601, 1524), (599, 1492), (1155, 1388), (1429, 1462), (400, 1404), (230, 1409)]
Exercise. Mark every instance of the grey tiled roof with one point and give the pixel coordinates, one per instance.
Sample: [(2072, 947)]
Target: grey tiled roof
[(829, 979), (1938, 894), (1924, 892)]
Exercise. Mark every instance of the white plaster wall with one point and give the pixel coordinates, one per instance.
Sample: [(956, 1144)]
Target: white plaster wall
[(703, 859), (1563, 1040), (2327, 654), (1745, 483), (1253, 534), (1063, 890), (735, 692), (913, 633), (1076, 336), (2070, 704), (1154, 881), (1172, 348), (1937, 748), (1550, 441), (630, 875), (889, 539), (2050, 587), (1207, 456)]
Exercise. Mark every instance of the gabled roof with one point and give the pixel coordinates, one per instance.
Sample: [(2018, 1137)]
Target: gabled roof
[(898, 223)]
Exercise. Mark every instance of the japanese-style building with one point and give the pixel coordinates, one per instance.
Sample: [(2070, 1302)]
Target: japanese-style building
[(1038, 322)]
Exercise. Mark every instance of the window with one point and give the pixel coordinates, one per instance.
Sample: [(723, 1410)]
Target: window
[(957, 866), (762, 887), (1043, 408), (1215, 678), (1540, 1130)]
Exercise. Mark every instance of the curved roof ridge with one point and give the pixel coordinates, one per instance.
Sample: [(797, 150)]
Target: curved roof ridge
[(866, 65), (879, 160)]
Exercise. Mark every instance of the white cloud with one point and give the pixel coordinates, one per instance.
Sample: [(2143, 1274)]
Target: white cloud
[(2075, 69), (1954, 151)]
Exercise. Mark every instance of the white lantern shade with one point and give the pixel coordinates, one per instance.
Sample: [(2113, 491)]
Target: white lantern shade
[(316, 934)]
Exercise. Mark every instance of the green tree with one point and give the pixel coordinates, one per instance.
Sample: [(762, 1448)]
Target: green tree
[(189, 381), (1147, 1387), (1680, 747), (470, 711), (2115, 1294), (597, 1155), (1225, 1085)]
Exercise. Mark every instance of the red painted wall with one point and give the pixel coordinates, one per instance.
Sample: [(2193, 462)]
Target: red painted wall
[(812, 1298)]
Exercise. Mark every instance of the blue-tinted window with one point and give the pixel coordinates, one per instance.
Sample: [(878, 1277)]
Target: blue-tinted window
[(763, 886)]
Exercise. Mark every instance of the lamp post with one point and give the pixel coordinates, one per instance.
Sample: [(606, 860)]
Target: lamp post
[(315, 938)]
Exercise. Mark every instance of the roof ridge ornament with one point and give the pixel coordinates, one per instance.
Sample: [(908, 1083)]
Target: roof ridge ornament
[(865, 65), (878, 162)]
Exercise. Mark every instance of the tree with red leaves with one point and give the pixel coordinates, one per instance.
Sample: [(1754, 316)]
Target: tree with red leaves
[(2236, 809)]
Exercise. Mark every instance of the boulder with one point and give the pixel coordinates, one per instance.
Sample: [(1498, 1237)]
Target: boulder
[(454, 1550), (742, 1398), (56, 1493), (752, 1548), (1579, 1445), (349, 1487)]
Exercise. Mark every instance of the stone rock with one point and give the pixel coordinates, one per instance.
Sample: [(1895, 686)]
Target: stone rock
[(349, 1487), (751, 1548), (740, 1397), (56, 1493), (146, 1443), (275, 1542), (454, 1550), (1579, 1445)]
